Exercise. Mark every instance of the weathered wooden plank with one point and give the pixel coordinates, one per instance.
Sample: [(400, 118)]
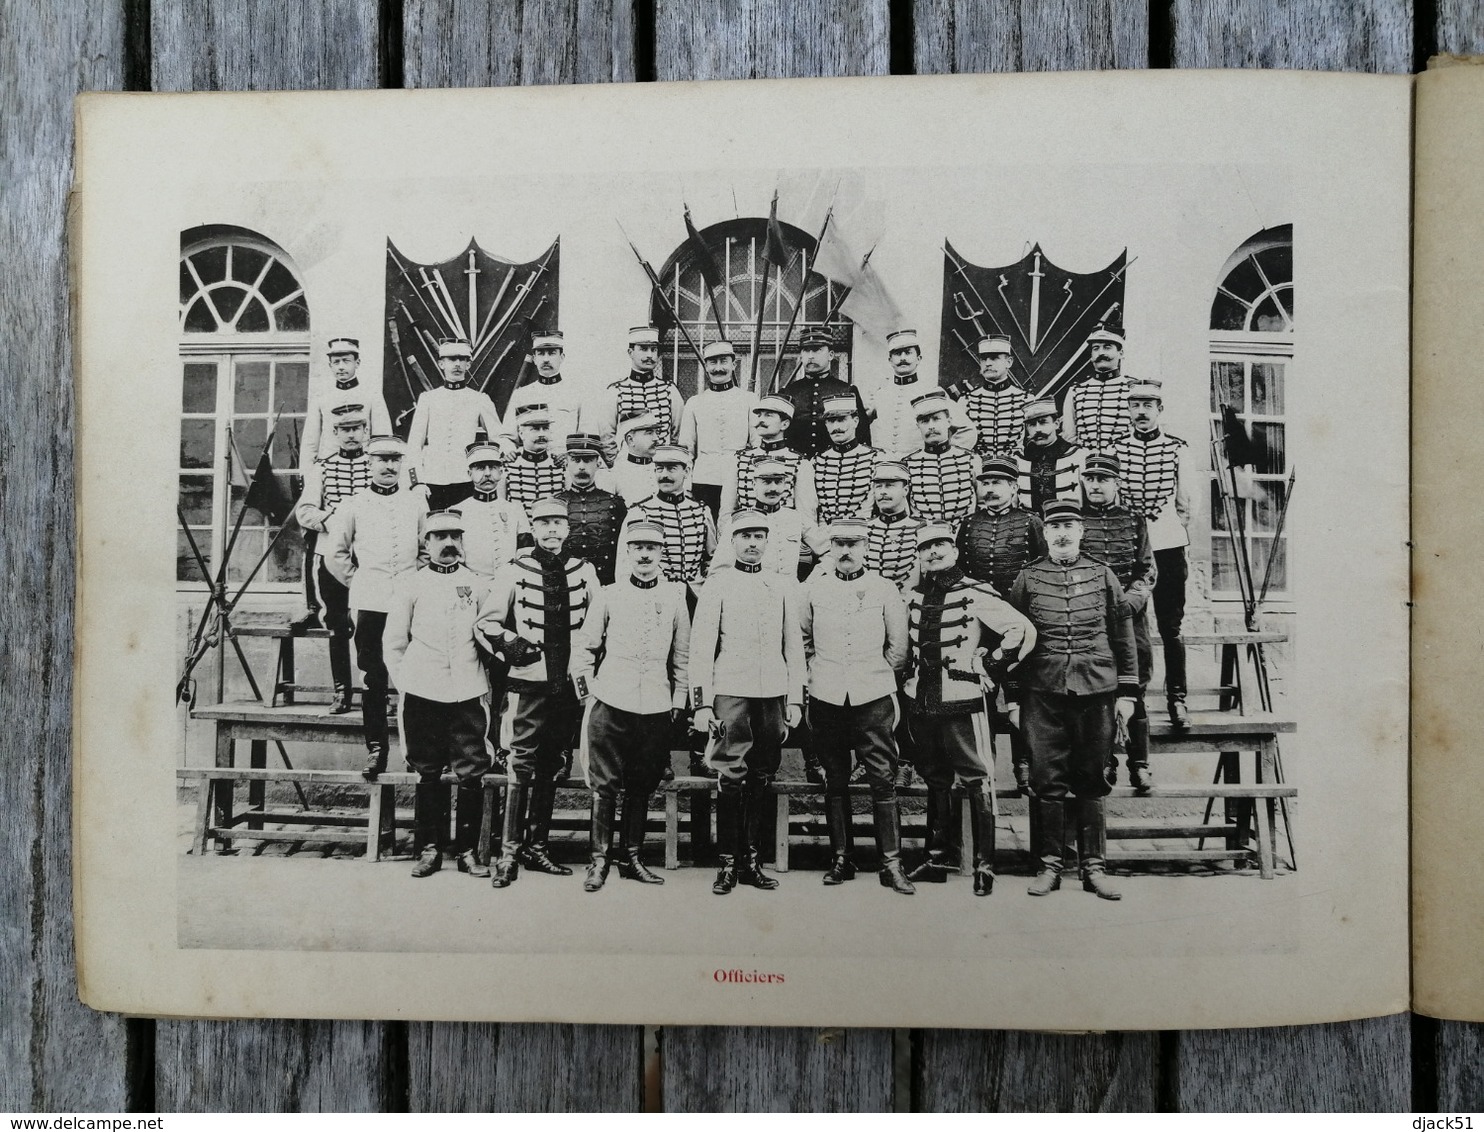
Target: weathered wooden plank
[(47, 54), (757, 1069), (1344, 1067), (1458, 26), (970, 1071), (524, 1068), (1460, 1067), (733, 39), (968, 36), (472, 43), (1363, 35), (242, 45), (272, 1066)]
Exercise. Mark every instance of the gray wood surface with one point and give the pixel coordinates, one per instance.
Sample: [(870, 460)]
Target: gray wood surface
[(48, 50)]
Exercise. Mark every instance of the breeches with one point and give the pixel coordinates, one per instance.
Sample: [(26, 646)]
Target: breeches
[(626, 752), (542, 724), (446, 736), (751, 744), (952, 748), (369, 626), (864, 730), (336, 600), (1070, 738)]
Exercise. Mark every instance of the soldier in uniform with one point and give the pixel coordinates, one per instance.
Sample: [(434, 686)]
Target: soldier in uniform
[(533, 473), (1049, 466), (629, 669), (941, 475), (1072, 687), (793, 541), (747, 690), (632, 474), (995, 543), (808, 392), (840, 476), (494, 528), (445, 422), (373, 539), (430, 652), (714, 424), (690, 535), (645, 390), (594, 516), (327, 483), (1157, 481), (1118, 538), (560, 397), (893, 419), (996, 408), (538, 604), (1097, 414), (770, 418), (891, 538), (957, 628), (854, 626)]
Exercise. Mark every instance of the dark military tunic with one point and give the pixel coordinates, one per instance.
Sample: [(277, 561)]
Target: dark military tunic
[(1118, 538), (806, 432), (594, 517), (996, 546), (891, 546)]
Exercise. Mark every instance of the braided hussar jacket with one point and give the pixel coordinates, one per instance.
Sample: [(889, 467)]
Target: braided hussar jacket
[(1157, 483), (542, 598), (531, 476), (736, 491), (891, 548), (494, 529), (1047, 472), (842, 482), (637, 393), (950, 616), (1119, 539), (941, 484), (336, 477), (373, 537), (690, 535), (1096, 412), (633, 651), (994, 546), (713, 427), (594, 518), (998, 414), (1085, 642)]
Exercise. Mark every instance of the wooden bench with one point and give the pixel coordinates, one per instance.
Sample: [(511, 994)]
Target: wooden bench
[(286, 689)]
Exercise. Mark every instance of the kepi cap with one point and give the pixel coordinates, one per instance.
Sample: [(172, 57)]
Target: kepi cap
[(849, 530), (775, 404), (817, 336), (532, 413), (839, 406), (1149, 388), (344, 346), (722, 349), (999, 468), (930, 404), (548, 340), (933, 532), (1060, 510), (585, 443), (1102, 464), (767, 468), (1044, 407), (902, 340), (644, 531), (549, 508), (644, 336), (748, 519), (890, 471), (454, 348), (443, 521), (1107, 333), (994, 344), (672, 454), (386, 446), (484, 452)]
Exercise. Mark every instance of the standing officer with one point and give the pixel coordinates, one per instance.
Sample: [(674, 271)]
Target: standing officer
[(1157, 482), (373, 540), (941, 475), (327, 403), (629, 670), (893, 419), (957, 628), (559, 396), (996, 408), (1097, 414), (793, 540), (533, 473), (538, 604), (854, 626), (445, 422), (328, 483), (1049, 466), (714, 424), (770, 418), (891, 538), (689, 533), (809, 391), (645, 390), (1083, 675), (841, 474), (747, 690), (594, 516), (1119, 539), (430, 652), (494, 528)]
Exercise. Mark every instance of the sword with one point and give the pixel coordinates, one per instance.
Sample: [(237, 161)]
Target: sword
[(451, 323), (1035, 320), (966, 312), (448, 300), (407, 278), (964, 275), (1005, 282), (1113, 278), (1067, 289), (494, 306)]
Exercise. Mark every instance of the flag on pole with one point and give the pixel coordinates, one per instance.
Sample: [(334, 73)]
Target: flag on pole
[(702, 255), (1242, 452), (777, 249), (266, 495)]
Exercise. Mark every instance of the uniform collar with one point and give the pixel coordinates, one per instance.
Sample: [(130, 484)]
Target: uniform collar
[(631, 458), (642, 378), (1147, 437), (1099, 375), (849, 446), (1064, 565), (575, 490), (555, 379), (455, 385), (344, 455), (766, 510), (534, 457), (346, 383), (546, 557), (850, 577), (376, 487), (997, 511), (441, 569), (944, 579), (639, 584), (910, 379), (749, 567), (486, 496), (939, 448), (897, 518), (773, 445), (997, 386), (670, 496), (712, 388)]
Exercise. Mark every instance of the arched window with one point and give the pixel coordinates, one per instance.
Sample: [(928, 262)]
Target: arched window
[(739, 249), (1252, 329), (244, 354)]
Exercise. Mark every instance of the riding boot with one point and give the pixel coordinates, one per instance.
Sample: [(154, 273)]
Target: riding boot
[(936, 866), (512, 829), (889, 846), (1020, 762), (631, 837), (340, 674), (533, 854), (1138, 755), (1175, 689), (981, 812), (600, 840), (427, 836), (813, 768), (1050, 829), (468, 816), (1092, 836), (837, 815), (375, 761), (728, 839), (749, 864)]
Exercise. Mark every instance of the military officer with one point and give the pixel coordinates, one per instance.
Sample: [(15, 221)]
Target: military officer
[(770, 418), (893, 419), (629, 670), (714, 424), (1097, 415), (941, 475), (793, 541), (327, 483), (1049, 466), (1083, 676), (533, 473), (645, 390), (1119, 538), (690, 535), (632, 474), (807, 393), (996, 408), (854, 625), (431, 654), (594, 516), (1157, 482), (538, 604), (560, 397), (494, 528), (840, 475), (373, 539), (891, 538), (747, 673), (445, 422), (346, 388), (958, 631)]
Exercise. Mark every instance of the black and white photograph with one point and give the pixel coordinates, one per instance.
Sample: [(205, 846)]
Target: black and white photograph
[(733, 567)]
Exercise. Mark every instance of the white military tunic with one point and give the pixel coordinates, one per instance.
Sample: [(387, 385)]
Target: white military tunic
[(492, 530), (745, 638), (633, 650), (855, 637), (372, 540), (713, 426), (894, 427), (443, 425), (791, 537), (631, 477), (561, 398), (318, 439), (428, 641)]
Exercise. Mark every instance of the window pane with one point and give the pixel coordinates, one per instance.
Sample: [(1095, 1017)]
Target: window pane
[(211, 265), (254, 318), (251, 388), (187, 284), (200, 319), (1267, 504), (1271, 444), (1268, 318), (1226, 386), (1227, 313), (286, 563), (291, 387), (279, 283), (1277, 263), (198, 388), (1218, 514), (246, 264), (197, 443), (1267, 388), (251, 542), (286, 442), (1223, 565), (195, 499), (227, 300), (292, 315), (250, 433), (1278, 581), (1244, 281), (186, 569)]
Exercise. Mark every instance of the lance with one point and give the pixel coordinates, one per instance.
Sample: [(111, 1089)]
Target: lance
[(494, 306), (710, 290), (757, 326), (407, 278), (659, 293), (522, 293), (793, 316), (958, 266), (1267, 575)]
